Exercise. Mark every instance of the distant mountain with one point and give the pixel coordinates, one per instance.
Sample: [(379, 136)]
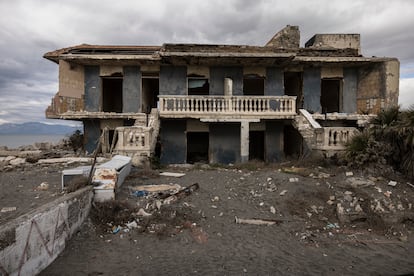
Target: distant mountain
[(36, 128)]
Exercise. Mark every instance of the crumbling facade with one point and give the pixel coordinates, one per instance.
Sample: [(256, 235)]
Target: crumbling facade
[(223, 103)]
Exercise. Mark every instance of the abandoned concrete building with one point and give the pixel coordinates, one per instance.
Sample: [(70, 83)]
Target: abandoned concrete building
[(223, 103)]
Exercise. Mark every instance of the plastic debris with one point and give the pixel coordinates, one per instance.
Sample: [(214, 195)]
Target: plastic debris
[(282, 193), (349, 174), (8, 209), (257, 221), (140, 193), (43, 186), (392, 183), (172, 174), (293, 179), (141, 212), (116, 229)]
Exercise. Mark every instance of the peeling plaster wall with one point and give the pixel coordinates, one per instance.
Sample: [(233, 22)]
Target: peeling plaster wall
[(224, 143), (203, 71), (31, 242), (131, 89), (109, 70), (312, 89), (217, 75), (349, 93), (93, 89), (274, 141), (71, 80), (173, 141), (173, 80), (274, 85), (371, 89)]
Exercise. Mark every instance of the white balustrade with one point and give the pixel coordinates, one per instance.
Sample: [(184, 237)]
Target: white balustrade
[(334, 137), (239, 105)]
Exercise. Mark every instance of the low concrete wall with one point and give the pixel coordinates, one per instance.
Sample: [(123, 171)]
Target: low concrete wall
[(31, 242)]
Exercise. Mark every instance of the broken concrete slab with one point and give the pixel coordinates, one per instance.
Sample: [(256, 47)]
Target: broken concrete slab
[(157, 188), (70, 160), (172, 174), (72, 175)]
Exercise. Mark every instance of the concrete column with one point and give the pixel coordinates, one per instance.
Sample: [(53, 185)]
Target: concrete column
[(228, 87), (244, 141)]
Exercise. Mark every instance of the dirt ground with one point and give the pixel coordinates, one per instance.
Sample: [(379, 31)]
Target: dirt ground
[(325, 223)]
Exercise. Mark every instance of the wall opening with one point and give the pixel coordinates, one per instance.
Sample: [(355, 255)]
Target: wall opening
[(293, 142), (331, 90), (112, 94), (253, 85), (197, 147), (293, 82), (198, 86), (150, 92), (256, 145)]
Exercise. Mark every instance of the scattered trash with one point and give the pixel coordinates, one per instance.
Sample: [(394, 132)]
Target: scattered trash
[(8, 209), (116, 229), (357, 182), (332, 226), (181, 194), (387, 193), (378, 189), (140, 193), (282, 193), (409, 184), (293, 179), (132, 225), (272, 210), (142, 213), (172, 174), (257, 221), (349, 173), (392, 183), (216, 198)]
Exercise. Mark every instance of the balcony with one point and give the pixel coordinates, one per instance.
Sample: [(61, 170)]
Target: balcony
[(227, 107), (334, 138)]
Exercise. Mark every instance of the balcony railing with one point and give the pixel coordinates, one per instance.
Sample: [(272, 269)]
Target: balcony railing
[(226, 105), (62, 104), (334, 138)]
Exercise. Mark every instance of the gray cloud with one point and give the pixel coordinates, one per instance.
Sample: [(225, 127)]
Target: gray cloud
[(31, 28)]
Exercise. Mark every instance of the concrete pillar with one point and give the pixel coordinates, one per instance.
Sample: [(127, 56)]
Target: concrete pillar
[(244, 141), (228, 87)]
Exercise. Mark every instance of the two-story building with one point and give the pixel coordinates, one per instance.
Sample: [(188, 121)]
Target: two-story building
[(223, 103)]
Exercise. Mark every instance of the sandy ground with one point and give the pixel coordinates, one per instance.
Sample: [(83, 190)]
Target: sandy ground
[(198, 233)]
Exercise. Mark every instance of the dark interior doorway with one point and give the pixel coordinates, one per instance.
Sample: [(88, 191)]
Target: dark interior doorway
[(293, 142), (150, 92), (293, 82), (253, 85), (331, 95), (197, 147), (256, 145), (112, 95)]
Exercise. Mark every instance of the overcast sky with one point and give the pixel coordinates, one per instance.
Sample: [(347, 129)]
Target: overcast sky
[(31, 28)]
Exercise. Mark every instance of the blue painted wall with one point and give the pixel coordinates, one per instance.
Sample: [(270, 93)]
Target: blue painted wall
[(349, 91), (217, 75), (312, 89), (274, 141), (274, 85), (131, 89), (173, 141), (224, 143), (93, 90), (92, 132), (173, 80)]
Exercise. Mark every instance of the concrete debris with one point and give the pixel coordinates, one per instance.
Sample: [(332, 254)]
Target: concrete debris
[(181, 194), (43, 186), (293, 179), (17, 161), (387, 193), (272, 210), (158, 188), (358, 182), (379, 190), (172, 174), (349, 173), (257, 221), (282, 193), (132, 225), (215, 199), (8, 209), (358, 208), (392, 183)]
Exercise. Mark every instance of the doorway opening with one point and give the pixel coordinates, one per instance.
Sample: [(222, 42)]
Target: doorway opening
[(198, 86), (256, 145), (112, 94), (331, 90), (293, 142), (197, 147), (253, 85), (150, 91), (293, 82)]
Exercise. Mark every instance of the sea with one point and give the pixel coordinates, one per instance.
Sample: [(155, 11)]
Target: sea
[(13, 141)]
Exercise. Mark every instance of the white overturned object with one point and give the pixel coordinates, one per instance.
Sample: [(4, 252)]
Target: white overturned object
[(109, 176)]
